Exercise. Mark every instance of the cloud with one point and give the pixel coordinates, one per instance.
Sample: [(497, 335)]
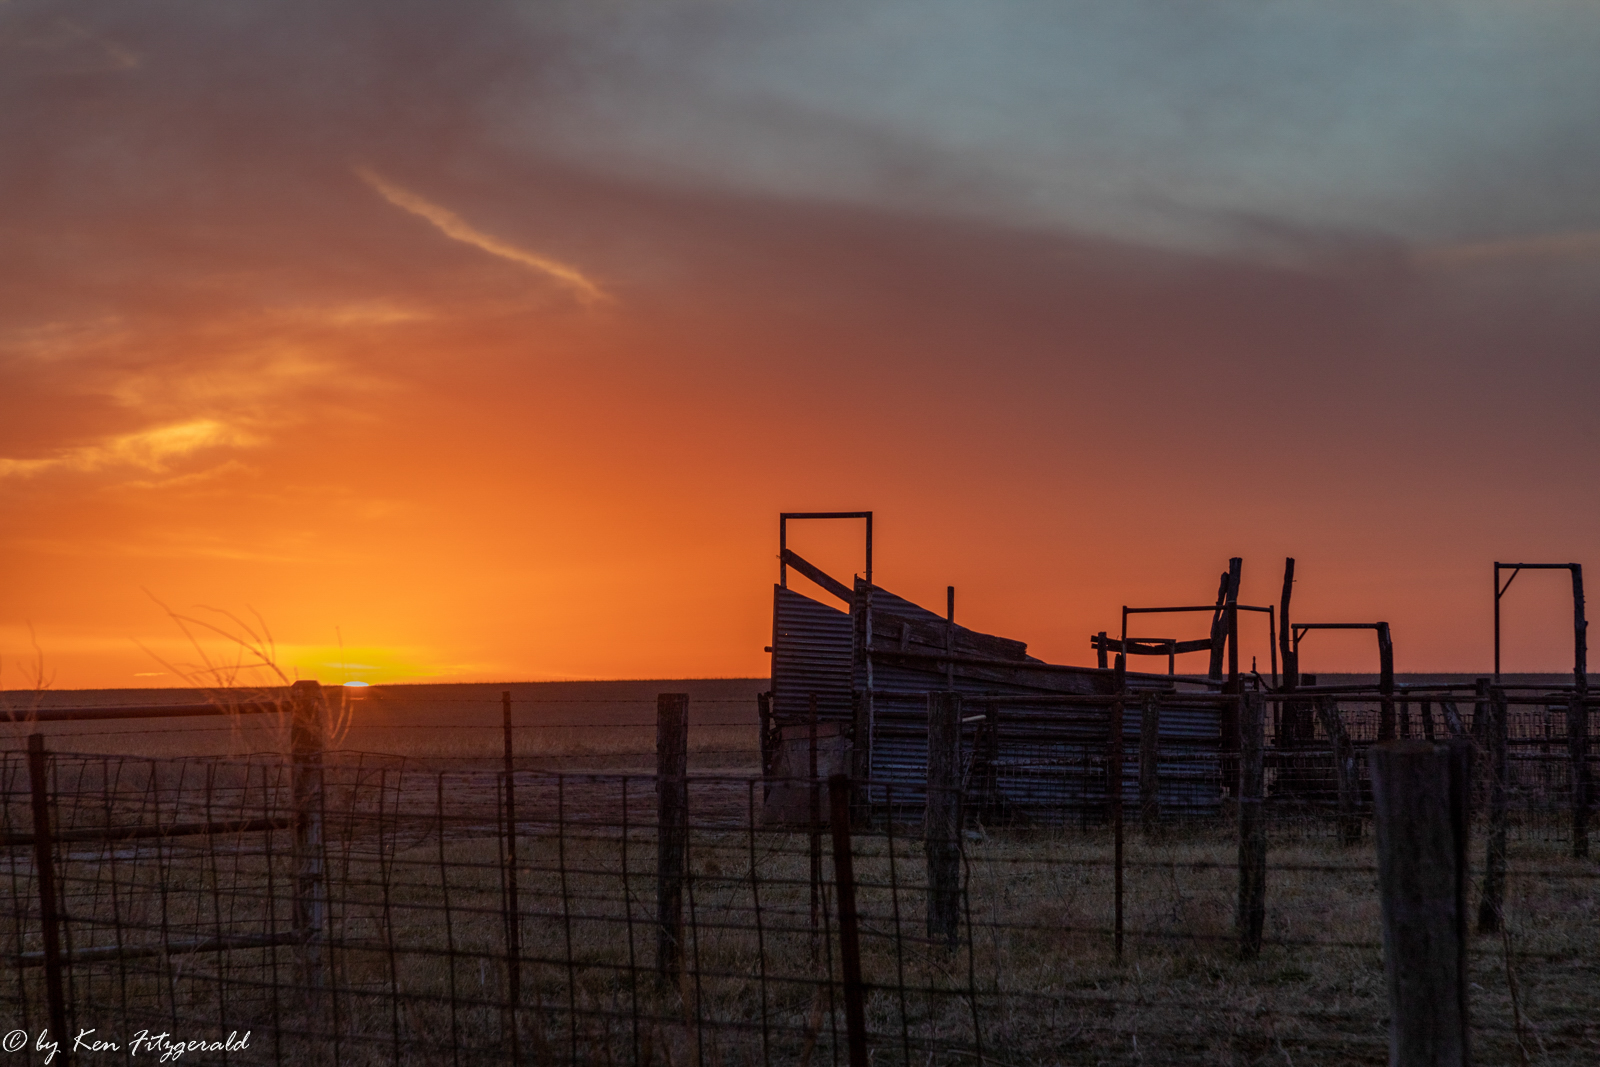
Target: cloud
[(1581, 244), (456, 228), (145, 449)]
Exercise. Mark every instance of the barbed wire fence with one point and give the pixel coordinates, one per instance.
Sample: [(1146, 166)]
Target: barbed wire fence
[(345, 907)]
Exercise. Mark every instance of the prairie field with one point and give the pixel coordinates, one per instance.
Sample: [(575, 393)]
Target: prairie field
[(418, 967)]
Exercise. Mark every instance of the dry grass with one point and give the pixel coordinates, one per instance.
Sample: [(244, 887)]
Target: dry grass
[(1039, 962)]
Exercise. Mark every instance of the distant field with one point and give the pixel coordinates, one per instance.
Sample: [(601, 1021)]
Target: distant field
[(577, 725), (598, 725)]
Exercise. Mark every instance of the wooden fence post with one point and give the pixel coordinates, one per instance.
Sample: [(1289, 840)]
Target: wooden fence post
[(844, 880), (860, 745), (45, 868), (814, 828), (1421, 794), (1149, 765), (1480, 712), (1578, 746), (513, 909), (1114, 758), (672, 828), (1494, 853), (1252, 825), (307, 736), (1344, 769), (941, 818)]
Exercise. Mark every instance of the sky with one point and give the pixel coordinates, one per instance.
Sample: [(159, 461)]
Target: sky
[(486, 341)]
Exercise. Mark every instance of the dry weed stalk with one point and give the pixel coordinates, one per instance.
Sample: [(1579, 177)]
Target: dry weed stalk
[(247, 676)]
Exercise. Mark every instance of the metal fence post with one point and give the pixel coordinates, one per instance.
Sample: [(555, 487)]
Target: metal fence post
[(307, 735), (44, 863), (1421, 795), (1252, 825), (941, 831), (1494, 853), (672, 827), (844, 878)]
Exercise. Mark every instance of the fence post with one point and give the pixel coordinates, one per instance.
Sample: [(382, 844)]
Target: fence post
[(307, 736), (513, 909), (1421, 794), (44, 864), (1149, 765), (1114, 756), (1578, 720), (814, 826), (941, 829), (1578, 745), (1494, 852), (672, 827), (1344, 770), (860, 749), (1252, 826), (1480, 711), (844, 879)]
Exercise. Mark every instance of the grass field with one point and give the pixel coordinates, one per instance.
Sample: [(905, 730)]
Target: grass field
[(418, 915)]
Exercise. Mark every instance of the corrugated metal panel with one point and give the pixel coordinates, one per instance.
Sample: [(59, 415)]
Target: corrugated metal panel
[(1046, 764), (1049, 765), (811, 653)]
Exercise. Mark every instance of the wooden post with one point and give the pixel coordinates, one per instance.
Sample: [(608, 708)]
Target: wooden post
[(1344, 769), (860, 737), (1286, 651), (1149, 766), (672, 828), (45, 865), (1578, 746), (1421, 795), (1114, 758), (844, 879), (1252, 825), (764, 715), (513, 922), (307, 736), (1578, 720), (941, 818), (1492, 902), (814, 826), (1480, 712)]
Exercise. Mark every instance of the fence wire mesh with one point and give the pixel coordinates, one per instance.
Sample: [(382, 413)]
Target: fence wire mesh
[(388, 913)]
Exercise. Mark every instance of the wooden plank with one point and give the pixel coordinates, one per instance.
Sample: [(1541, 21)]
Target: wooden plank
[(909, 632), (818, 575)]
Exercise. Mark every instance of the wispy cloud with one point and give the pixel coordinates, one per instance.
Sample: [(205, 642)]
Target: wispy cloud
[(457, 228), (1580, 244), (148, 450)]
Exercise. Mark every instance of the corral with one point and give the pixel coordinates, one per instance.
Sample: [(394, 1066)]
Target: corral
[(541, 896)]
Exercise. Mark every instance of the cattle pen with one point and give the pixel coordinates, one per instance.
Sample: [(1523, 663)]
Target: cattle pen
[(914, 843)]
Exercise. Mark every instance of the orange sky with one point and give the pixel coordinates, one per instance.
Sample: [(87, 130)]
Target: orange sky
[(478, 348)]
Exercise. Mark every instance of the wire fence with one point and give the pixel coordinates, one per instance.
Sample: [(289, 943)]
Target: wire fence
[(363, 909)]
